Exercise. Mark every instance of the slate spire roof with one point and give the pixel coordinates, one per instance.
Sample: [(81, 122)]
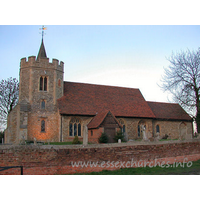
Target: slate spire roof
[(42, 52)]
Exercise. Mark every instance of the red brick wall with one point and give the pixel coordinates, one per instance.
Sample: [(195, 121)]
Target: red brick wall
[(94, 138), (51, 125), (57, 159)]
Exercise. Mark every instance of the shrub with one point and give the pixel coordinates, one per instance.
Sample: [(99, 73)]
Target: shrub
[(103, 138), (165, 137), (119, 135), (75, 140)]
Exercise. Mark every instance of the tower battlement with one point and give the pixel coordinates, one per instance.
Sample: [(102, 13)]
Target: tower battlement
[(41, 63)]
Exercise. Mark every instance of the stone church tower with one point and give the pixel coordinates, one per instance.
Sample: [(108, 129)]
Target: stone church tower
[(36, 115)]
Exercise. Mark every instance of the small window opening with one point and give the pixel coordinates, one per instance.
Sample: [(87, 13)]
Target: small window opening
[(43, 104), (42, 126)]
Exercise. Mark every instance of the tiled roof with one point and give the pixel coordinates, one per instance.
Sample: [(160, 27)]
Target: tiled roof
[(99, 118), (169, 111), (89, 99)]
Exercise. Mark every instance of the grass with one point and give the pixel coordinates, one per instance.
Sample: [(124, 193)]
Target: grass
[(167, 139), (58, 143), (194, 169)]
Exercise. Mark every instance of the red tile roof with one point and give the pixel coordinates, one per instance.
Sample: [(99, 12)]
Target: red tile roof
[(169, 111), (99, 118), (89, 99)]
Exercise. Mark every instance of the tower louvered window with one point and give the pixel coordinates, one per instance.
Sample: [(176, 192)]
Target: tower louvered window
[(43, 83)]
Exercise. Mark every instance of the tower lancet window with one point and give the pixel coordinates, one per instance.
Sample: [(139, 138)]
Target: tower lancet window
[(43, 83), (43, 104), (42, 126)]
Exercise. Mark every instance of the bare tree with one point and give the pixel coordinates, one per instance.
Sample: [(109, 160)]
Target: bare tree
[(9, 93), (182, 80)]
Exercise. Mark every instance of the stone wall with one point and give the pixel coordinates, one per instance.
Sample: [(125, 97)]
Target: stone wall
[(12, 124), (59, 159), (171, 128)]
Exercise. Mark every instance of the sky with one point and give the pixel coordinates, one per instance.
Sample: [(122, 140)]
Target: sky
[(118, 55)]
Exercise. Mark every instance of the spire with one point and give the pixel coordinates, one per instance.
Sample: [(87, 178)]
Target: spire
[(42, 52)]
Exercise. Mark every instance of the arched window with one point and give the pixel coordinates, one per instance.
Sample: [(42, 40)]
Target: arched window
[(79, 129), (42, 126), (138, 130), (43, 83), (70, 129), (157, 129), (75, 127), (43, 104), (123, 129)]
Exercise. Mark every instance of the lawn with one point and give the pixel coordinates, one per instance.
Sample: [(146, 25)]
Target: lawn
[(193, 170), (59, 143)]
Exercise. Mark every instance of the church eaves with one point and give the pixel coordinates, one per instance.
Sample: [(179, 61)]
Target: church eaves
[(42, 52)]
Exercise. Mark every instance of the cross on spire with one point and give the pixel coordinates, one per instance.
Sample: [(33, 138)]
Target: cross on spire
[(43, 29)]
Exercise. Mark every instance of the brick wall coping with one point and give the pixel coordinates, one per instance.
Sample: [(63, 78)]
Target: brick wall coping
[(132, 143)]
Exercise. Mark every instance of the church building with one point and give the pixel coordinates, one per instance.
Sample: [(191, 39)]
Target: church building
[(53, 110)]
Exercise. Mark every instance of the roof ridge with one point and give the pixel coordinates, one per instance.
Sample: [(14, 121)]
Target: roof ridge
[(161, 102), (101, 85)]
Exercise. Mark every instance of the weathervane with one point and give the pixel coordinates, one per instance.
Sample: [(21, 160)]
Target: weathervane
[(43, 29)]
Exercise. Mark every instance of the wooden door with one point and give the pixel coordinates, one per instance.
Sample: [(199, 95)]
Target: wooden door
[(111, 134)]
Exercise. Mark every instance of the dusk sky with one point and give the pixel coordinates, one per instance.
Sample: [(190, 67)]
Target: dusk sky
[(118, 55)]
